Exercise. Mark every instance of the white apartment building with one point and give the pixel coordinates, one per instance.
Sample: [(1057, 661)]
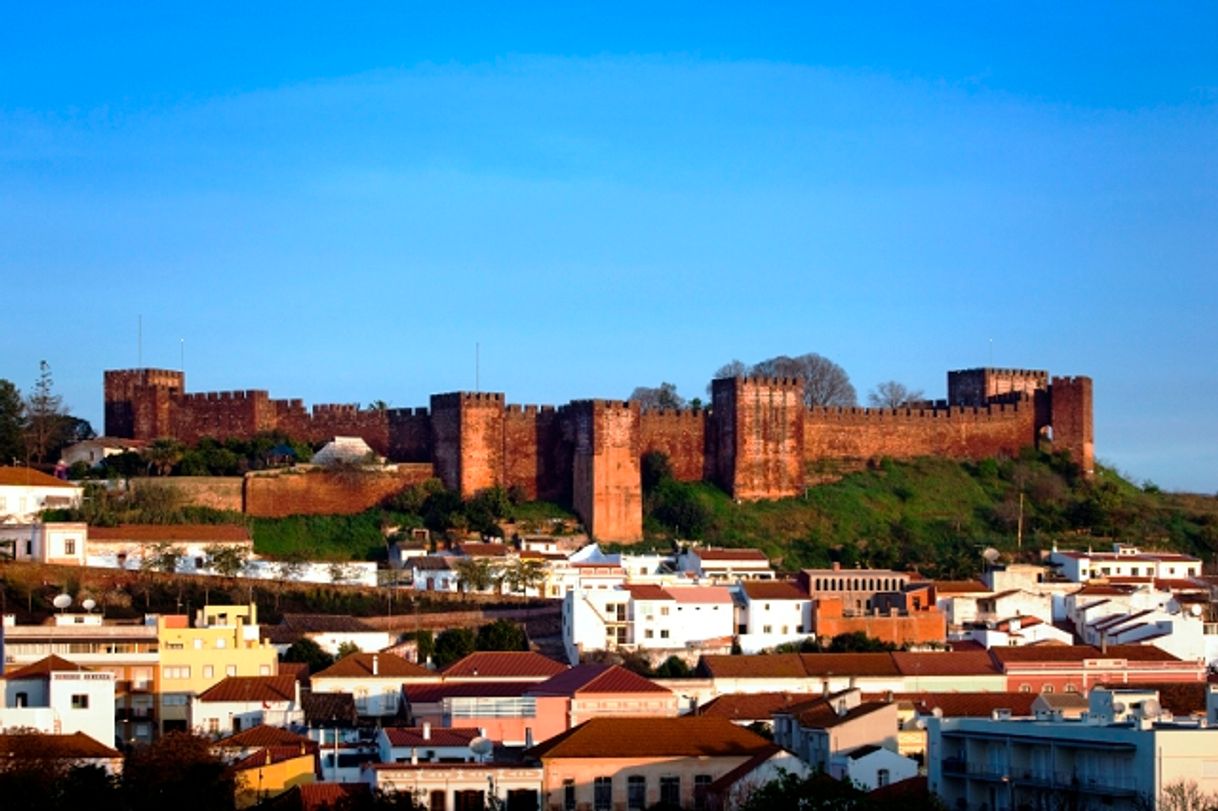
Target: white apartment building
[(25, 493), (725, 565), (1122, 754), (57, 697), (772, 612), (1123, 561)]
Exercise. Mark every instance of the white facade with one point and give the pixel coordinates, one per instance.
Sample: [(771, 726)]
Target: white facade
[(659, 619), (1124, 561), (62, 543), (62, 702), (1123, 754), (25, 493), (224, 718), (418, 745), (871, 767), (1019, 631), (771, 620), (725, 565)]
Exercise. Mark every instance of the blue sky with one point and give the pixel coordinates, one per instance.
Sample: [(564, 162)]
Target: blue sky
[(339, 207)]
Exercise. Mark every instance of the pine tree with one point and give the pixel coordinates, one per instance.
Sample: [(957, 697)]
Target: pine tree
[(44, 410)]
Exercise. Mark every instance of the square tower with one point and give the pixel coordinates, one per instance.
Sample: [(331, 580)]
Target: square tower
[(759, 436)]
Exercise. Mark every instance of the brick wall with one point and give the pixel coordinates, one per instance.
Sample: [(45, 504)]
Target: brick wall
[(898, 629), (759, 442), (607, 490), (1071, 418), (275, 494), (681, 435)]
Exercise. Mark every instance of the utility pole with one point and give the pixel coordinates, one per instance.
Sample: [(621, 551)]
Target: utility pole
[(1019, 525)]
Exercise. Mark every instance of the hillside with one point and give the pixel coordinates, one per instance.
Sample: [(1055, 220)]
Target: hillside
[(937, 515)]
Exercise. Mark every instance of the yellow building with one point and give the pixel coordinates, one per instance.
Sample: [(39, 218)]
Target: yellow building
[(271, 771), (224, 641)]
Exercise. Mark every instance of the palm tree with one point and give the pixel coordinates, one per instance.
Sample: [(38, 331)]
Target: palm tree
[(163, 454)]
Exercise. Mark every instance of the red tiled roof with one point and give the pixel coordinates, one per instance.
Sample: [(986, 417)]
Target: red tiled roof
[(324, 623), (729, 779), (297, 670), (822, 713), (76, 746), (505, 665), (751, 706), (490, 688), (430, 563), (331, 796), (1077, 653), (779, 665), (269, 755), (28, 477), (591, 678), (439, 736), (702, 595), (171, 532), (915, 789), (959, 586), (947, 663), (252, 688), (484, 550), (1103, 590), (388, 666), (43, 668), (849, 664), (263, 735), (967, 705), (647, 591), (731, 554), (688, 736), (773, 590)]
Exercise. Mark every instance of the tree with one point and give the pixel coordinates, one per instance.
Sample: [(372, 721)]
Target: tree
[(162, 557), (674, 667), (12, 423), (1186, 796), (825, 383), (163, 454), (501, 635), (858, 642), (306, 651), (523, 574), (426, 642), (347, 649), (891, 394), (44, 413), (453, 644), (226, 561), (734, 368), (180, 772), (476, 574), (656, 469), (663, 397)]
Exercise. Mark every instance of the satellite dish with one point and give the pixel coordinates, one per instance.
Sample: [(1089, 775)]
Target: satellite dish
[(1151, 708), (991, 554), (61, 601), (89, 604), (1118, 706), (1195, 609), (481, 746)]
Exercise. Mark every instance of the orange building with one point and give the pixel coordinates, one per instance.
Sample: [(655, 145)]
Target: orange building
[(919, 625)]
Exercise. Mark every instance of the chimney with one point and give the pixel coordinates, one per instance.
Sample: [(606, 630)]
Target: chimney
[(375, 664), (427, 730), (528, 737), (414, 756)]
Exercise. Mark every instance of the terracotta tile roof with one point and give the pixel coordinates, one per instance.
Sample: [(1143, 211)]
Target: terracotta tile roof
[(505, 665), (849, 664), (489, 688), (730, 778), (483, 550), (76, 746), (171, 532), (1077, 653), (388, 666), (914, 789), (964, 705), (324, 623), (332, 796), (430, 563), (946, 663), (43, 668), (731, 554), (328, 709), (599, 679), (822, 713), (1103, 590), (701, 595), (779, 665), (252, 689), (1180, 698), (959, 586), (439, 736), (269, 755), (751, 706), (263, 735), (773, 590), (688, 736), (28, 477), (297, 670), (647, 591)]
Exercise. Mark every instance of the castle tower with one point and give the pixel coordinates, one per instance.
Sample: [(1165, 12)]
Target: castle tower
[(137, 401), (759, 436), (467, 435), (607, 483), (978, 387), (1071, 417)]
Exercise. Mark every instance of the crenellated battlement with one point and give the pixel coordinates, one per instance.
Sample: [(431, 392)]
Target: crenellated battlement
[(337, 409), (223, 396), (996, 410)]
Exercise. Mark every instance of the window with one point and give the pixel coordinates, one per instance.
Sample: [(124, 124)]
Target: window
[(766, 629), (437, 800), (568, 795), (1025, 688), (177, 672), (636, 791), (264, 670), (602, 794), (230, 670), (701, 788), (198, 643), (670, 791), (22, 700), (663, 633), (881, 778), (80, 701), (213, 726), (1048, 688), (69, 546), (663, 611), (209, 672), (648, 634), (221, 643)]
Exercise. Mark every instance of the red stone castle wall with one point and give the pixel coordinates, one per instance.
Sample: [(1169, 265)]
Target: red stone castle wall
[(606, 487), (759, 445), (282, 493), (681, 435)]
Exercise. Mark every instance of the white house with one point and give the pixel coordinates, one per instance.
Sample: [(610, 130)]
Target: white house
[(726, 565), (423, 744), (773, 612), (55, 696), (374, 680), (1123, 561), (93, 452), (872, 766), (241, 702), (61, 543), (1122, 754), (822, 731), (25, 493), (1015, 631)]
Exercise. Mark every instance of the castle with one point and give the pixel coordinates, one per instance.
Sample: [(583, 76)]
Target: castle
[(756, 440)]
